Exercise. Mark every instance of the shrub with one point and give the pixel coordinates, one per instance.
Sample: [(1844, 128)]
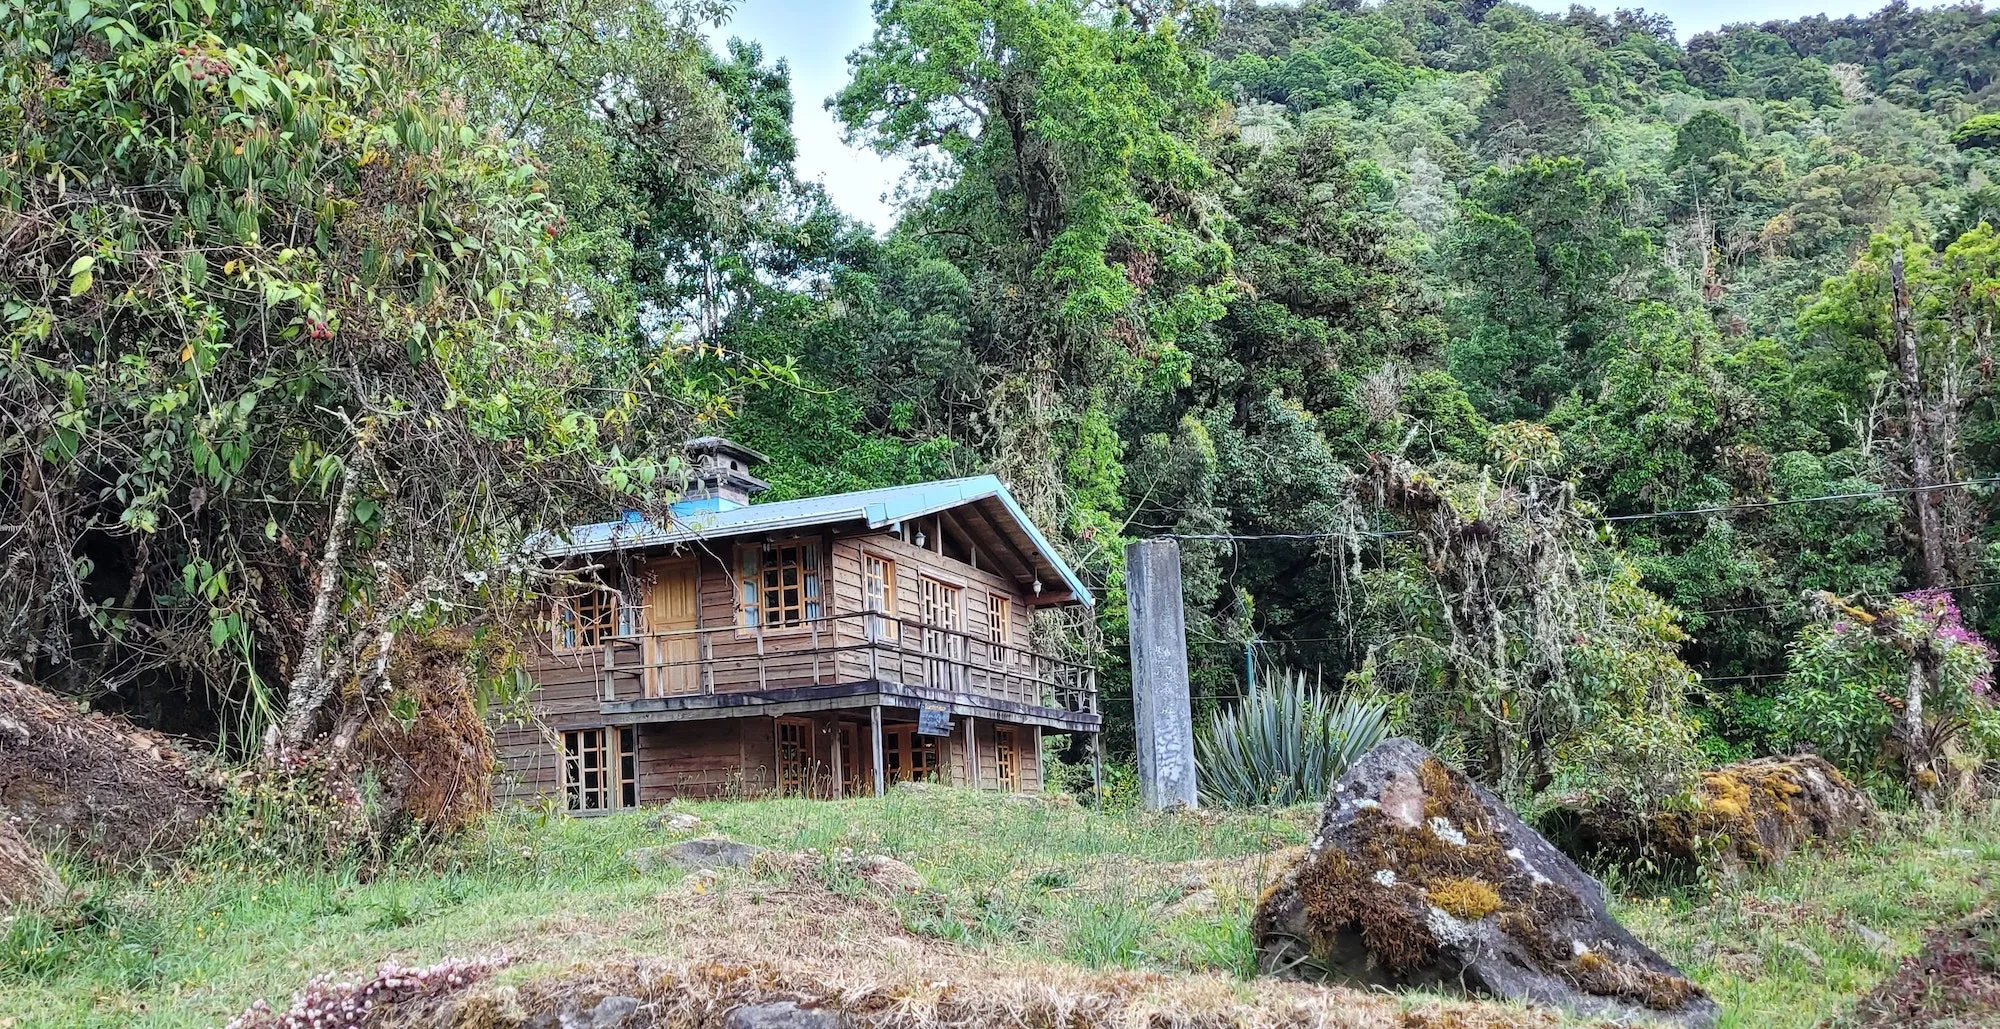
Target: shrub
[(1285, 744), (1848, 674)]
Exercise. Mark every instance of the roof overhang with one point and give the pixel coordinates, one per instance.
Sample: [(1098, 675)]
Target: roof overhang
[(985, 495)]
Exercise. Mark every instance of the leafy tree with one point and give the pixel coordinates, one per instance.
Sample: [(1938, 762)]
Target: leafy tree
[(1981, 132), (288, 368), (1903, 683), (1520, 634), (1547, 259)]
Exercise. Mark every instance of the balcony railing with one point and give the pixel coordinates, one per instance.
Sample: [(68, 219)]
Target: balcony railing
[(829, 649)]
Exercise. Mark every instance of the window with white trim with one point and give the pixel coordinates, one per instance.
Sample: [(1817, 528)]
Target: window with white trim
[(777, 584)]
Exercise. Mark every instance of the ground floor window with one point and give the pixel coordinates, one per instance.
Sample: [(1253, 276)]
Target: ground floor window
[(908, 754), (600, 769), (1007, 758)]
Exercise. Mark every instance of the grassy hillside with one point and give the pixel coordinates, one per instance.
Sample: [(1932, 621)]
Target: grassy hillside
[(1046, 891)]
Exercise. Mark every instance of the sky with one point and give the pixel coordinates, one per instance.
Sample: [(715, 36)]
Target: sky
[(815, 36)]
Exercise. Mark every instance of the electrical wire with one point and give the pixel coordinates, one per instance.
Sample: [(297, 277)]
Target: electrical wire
[(1755, 505)]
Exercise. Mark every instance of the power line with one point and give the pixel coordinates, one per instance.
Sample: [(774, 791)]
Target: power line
[(1755, 505), (1758, 505)]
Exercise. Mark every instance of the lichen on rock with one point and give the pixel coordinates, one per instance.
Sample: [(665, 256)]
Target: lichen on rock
[(1471, 896), (1748, 815)]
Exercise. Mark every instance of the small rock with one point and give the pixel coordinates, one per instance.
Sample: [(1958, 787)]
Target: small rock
[(782, 1015), (1805, 953), (705, 852), (1872, 938), (888, 873), (674, 821), (612, 1012), (1200, 902), (1741, 964)]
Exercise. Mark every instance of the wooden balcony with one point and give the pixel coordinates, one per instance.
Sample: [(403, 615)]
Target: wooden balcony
[(842, 650)]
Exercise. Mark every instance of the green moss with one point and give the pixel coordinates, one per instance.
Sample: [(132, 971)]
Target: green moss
[(1467, 899), (1470, 881)]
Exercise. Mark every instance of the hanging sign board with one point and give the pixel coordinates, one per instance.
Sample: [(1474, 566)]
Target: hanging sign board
[(934, 719)]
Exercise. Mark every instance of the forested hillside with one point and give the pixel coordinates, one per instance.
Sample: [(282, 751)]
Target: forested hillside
[(1429, 266), (1577, 388)]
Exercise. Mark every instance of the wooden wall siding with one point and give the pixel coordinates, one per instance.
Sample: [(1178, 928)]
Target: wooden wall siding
[(696, 760), (759, 750), (1027, 748), (737, 757), (529, 768), (813, 654)]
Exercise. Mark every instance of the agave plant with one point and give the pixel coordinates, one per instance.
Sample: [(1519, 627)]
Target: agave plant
[(1285, 744)]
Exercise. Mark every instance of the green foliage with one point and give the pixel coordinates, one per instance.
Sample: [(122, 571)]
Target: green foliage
[(1285, 744), (1980, 132), (1550, 261), (1521, 634), (1848, 672), (277, 300)]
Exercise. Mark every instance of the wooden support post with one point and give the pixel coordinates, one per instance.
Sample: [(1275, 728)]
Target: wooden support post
[(1162, 714), (763, 683), (1097, 769), (971, 754), (875, 730), (839, 781)]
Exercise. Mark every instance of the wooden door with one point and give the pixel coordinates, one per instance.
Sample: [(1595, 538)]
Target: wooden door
[(857, 777), (795, 759), (675, 614)]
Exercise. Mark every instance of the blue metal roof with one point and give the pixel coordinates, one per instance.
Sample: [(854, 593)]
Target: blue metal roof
[(878, 508)]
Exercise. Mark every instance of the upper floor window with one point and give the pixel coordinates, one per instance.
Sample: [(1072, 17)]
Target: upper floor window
[(586, 620), (778, 584), (999, 620), (878, 597)]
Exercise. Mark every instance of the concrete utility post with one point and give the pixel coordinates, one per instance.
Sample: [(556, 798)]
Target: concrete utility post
[(1161, 714)]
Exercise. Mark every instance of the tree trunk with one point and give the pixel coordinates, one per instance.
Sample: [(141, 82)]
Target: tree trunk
[(1918, 761), (1922, 423), (310, 687), (1040, 200)]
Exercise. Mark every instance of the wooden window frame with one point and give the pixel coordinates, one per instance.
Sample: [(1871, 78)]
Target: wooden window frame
[(568, 624), (900, 746), (1007, 758), (811, 586), (806, 756), (888, 628), (1000, 625), (958, 587), (616, 750), (945, 666)]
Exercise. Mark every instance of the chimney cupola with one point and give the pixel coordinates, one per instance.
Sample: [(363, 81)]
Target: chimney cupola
[(719, 476)]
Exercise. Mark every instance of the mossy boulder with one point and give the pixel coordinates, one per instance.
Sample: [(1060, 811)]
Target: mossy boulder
[(1420, 878), (1748, 815)]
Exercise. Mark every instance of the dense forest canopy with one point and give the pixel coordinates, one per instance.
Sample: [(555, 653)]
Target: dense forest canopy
[(1524, 349)]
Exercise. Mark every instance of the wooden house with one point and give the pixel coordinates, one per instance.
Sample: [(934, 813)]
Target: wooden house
[(825, 647)]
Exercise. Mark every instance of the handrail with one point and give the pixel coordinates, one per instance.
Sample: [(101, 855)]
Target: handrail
[(935, 656), (804, 626)]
